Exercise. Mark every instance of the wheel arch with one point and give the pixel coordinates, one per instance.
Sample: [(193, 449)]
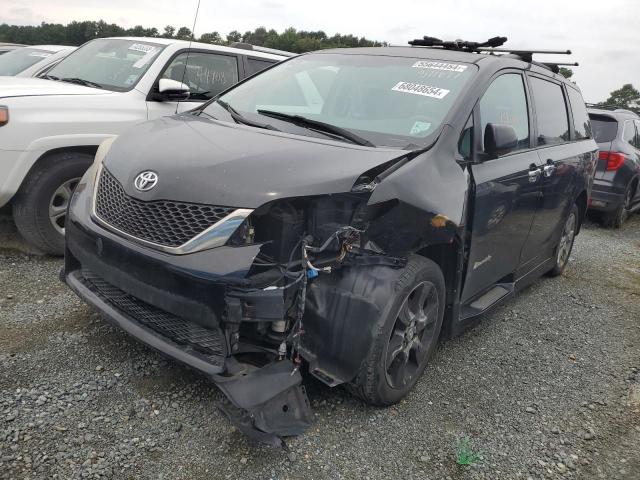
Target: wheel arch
[(42, 160), (447, 257), (582, 203)]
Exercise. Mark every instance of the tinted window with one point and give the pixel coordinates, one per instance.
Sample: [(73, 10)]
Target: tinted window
[(629, 134), (466, 139), (505, 102), (254, 65), (207, 74), (551, 112), (604, 128), (581, 124)]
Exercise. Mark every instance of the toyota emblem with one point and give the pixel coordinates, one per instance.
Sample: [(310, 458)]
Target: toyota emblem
[(145, 181)]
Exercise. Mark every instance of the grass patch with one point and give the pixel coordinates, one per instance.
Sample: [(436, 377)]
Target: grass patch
[(465, 454)]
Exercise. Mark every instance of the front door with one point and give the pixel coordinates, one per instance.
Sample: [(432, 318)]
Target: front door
[(206, 73), (507, 189)]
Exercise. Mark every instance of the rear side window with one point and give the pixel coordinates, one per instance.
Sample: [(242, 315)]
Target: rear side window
[(581, 124), (206, 74), (505, 102), (255, 65), (604, 128), (629, 134), (551, 112)]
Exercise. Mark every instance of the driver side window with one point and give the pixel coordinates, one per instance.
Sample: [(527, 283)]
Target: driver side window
[(505, 103), (206, 74)]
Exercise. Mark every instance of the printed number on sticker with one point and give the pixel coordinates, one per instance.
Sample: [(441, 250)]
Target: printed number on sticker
[(449, 67), (141, 47), (417, 89)]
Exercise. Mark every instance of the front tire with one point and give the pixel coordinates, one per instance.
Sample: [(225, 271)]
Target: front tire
[(406, 334), (39, 208), (565, 244)]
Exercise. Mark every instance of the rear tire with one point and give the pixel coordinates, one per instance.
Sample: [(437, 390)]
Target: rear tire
[(565, 244), (406, 334), (620, 215), (39, 208)]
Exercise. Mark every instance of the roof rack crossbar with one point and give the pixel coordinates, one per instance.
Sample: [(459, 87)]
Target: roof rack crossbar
[(524, 51)]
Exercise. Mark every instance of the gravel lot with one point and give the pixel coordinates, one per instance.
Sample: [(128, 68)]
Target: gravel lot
[(547, 386)]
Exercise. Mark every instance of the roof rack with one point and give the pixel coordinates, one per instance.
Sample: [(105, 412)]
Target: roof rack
[(248, 46), (463, 45), (490, 47)]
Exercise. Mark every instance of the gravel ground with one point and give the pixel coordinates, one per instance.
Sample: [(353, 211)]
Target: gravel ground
[(547, 386)]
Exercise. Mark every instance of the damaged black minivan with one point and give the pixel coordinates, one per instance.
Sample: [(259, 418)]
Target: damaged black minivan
[(336, 215)]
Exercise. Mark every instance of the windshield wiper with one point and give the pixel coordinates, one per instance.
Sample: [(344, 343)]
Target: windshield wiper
[(241, 119), (49, 77), (82, 81), (320, 126)]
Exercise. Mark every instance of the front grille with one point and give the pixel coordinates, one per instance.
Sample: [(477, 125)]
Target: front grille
[(163, 222), (210, 343)]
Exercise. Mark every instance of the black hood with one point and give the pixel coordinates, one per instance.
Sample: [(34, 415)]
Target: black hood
[(205, 161)]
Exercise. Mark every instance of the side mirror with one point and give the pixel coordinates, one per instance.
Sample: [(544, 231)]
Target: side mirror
[(169, 89), (499, 139)]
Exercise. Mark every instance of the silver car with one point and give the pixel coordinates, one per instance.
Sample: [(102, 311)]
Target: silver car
[(33, 60)]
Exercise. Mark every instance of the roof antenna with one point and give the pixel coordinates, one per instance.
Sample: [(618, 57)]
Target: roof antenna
[(186, 62)]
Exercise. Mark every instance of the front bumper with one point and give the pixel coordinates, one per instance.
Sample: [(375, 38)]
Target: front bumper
[(605, 197), (14, 166), (176, 305)]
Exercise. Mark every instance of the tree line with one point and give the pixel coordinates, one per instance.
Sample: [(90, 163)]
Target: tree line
[(77, 33)]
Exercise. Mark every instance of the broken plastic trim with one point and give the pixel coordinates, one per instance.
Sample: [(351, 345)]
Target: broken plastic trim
[(268, 403)]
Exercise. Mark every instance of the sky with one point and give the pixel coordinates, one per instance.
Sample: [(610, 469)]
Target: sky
[(604, 36)]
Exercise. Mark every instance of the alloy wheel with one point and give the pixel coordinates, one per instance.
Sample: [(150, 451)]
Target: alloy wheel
[(59, 203), (411, 335)]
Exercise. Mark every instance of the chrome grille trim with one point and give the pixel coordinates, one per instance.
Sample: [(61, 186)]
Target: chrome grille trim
[(214, 236)]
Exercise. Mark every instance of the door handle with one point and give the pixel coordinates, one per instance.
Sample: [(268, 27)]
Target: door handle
[(548, 170), (534, 175)]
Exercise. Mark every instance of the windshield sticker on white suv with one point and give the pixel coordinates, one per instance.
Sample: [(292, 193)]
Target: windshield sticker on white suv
[(449, 67), (141, 47), (418, 89), (40, 54)]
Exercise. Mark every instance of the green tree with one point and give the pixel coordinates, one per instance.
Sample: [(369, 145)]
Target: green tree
[(168, 31), (625, 97), (234, 36), (566, 72), (79, 32), (184, 33), (213, 37)]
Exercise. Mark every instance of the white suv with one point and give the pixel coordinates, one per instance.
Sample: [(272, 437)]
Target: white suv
[(50, 127)]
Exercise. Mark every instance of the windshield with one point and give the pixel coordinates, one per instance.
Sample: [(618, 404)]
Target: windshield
[(18, 60), (391, 101), (113, 64)]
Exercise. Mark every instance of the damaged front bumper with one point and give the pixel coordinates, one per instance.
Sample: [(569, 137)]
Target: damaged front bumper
[(267, 400)]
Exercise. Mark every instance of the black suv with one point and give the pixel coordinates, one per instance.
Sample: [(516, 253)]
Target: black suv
[(616, 192), (335, 214)]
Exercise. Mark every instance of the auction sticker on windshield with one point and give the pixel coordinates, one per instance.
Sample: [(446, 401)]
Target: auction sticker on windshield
[(141, 47), (418, 89), (449, 67)]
